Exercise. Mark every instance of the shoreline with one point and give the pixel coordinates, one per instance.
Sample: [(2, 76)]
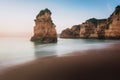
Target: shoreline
[(95, 64)]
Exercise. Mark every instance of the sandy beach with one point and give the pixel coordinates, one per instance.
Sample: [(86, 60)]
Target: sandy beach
[(100, 64)]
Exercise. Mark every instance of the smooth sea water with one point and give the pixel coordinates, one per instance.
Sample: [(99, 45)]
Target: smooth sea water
[(18, 50)]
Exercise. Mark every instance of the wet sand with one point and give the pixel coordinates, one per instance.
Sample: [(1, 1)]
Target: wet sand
[(100, 64)]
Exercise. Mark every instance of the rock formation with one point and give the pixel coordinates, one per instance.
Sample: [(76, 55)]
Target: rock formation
[(97, 28), (113, 31), (71, 33), (44, 30), (89, 29)]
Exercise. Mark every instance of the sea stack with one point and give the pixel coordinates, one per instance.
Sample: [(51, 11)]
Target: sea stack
[(44, 30), (108, 28)]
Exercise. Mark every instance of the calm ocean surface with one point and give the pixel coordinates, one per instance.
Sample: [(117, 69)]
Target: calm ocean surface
[(19, 50)]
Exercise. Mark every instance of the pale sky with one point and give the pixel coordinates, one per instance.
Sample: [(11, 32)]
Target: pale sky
[(17, 16)]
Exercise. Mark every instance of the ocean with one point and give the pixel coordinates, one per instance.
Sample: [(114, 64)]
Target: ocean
[(16, 50)]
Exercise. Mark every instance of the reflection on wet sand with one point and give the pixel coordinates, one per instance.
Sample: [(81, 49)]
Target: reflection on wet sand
[(44, 50), (100, 64)]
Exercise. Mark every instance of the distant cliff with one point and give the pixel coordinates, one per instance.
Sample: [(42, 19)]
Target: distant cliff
[(96, 28), (44, 30), (71, 33)]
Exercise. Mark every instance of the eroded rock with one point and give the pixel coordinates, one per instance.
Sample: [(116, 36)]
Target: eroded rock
[(44, 30), (97, 28), (72, 32)]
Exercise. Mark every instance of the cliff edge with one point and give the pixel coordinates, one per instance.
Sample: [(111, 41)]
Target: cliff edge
[(108, 28)]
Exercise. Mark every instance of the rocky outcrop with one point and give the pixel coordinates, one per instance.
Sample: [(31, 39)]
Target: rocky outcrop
[(44, 30), (88, 29), (113, 31), (91, 29), (71, 33), (98, 28)]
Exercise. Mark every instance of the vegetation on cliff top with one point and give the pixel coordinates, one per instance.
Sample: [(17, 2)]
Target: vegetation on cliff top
[(92, 20), (42, 12), (117, 9), (96, 21)]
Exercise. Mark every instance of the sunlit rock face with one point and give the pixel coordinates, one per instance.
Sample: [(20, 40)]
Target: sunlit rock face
[(88, 29), (72, 32), (44, 30), (113, 31), (97, 28)]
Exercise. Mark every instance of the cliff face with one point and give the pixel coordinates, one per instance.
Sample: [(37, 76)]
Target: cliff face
[(98, 28), (71, 33), (88, 29), (93, 28), (113, 31), (44, 30)]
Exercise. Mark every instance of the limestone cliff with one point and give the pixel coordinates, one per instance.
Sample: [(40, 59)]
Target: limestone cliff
[(113, 31), (71, 33), (90, 28), (44, 30), (98, 28)]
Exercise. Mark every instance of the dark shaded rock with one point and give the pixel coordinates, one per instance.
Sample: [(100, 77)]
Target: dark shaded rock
[(71, 33)]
